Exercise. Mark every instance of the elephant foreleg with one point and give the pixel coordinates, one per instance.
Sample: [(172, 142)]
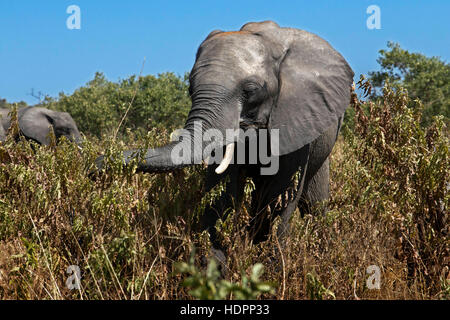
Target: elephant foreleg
[(316, 190), (278, 195), (229, 198)]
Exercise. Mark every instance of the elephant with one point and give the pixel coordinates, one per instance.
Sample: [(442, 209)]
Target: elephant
[(263, 76), (35, 124)]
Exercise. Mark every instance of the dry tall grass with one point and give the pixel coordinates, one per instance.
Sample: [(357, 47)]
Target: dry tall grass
[(389, 180)]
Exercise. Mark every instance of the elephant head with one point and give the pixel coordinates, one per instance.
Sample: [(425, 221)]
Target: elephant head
[(262, 76), (36, 122)]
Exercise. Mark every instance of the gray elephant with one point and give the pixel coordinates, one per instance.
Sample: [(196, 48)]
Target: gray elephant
[(35, 124), (285, 80)]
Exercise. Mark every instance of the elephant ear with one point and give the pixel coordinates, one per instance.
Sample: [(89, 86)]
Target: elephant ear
[(35, 123), (314, 86)]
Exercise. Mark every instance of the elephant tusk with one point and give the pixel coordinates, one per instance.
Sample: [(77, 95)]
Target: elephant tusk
[(226, 159), (175, 135)]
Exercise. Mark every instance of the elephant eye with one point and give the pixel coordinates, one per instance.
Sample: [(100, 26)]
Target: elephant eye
[(250, 89)]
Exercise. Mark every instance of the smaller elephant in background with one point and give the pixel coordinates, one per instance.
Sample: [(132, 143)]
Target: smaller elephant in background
[(35, 124)]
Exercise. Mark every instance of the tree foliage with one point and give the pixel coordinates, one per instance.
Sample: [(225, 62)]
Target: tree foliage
[(5, 104), (152, 101), (426, 78)]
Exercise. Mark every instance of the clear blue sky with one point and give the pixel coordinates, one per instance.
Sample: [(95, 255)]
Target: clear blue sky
[(38, 51)]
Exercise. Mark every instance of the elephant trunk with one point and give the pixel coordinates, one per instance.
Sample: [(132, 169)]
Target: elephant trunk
[(187, 151), (207, 112)]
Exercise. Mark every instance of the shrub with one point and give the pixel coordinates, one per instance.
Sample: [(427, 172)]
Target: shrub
[(129, 232), (157, 102), (407, 166), (208, 285), (425, 78)]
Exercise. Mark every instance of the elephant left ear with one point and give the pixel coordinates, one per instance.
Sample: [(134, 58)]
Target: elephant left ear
[(36, 124), (314, 90)]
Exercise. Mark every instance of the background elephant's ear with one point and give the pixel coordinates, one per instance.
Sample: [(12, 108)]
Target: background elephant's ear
[(36, 124), (314, 90)]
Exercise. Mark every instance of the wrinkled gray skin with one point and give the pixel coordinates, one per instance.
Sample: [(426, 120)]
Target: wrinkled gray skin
[(35, 124), (265, 76)]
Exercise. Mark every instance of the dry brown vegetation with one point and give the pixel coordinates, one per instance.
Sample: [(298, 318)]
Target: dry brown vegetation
[(126, 232)]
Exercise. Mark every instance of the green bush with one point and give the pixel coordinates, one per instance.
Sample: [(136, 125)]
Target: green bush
[(424, 78), (152, 102), (208, 285), (7, 105)]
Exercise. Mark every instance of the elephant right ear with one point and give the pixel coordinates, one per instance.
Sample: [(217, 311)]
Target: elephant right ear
[(314, 90)]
